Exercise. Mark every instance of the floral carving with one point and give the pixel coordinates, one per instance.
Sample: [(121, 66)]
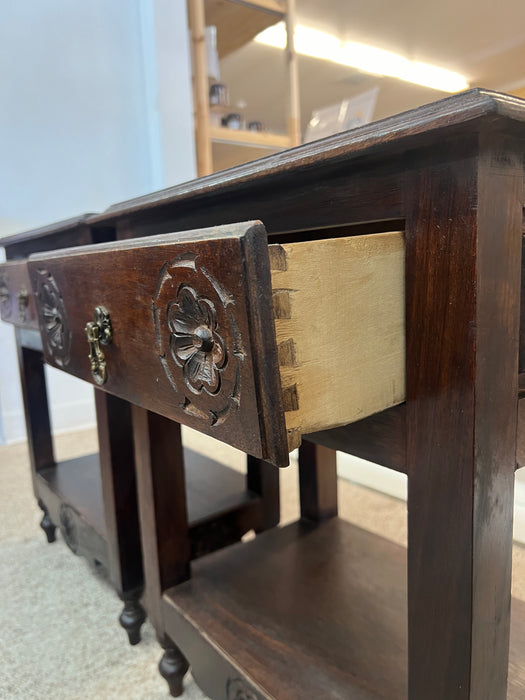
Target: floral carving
[(236, 689), (5, 297), (195, 344), (198, 339), (53, 318), (69, 527)]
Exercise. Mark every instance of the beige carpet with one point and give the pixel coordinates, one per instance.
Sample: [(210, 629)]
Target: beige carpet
[(59, 635)]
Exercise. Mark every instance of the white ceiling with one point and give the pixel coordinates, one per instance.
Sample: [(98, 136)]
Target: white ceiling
[(482, 40)]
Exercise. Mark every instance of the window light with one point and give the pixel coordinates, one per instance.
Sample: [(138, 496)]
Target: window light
[(312, 42)]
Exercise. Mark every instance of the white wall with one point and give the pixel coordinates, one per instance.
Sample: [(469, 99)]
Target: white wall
[(96, 108), (395, 484)]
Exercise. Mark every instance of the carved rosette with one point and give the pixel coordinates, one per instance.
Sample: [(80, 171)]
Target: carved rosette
[(237, 689), (195, 343), (5, 297), (56, 334), (199, 344), (69, 527)]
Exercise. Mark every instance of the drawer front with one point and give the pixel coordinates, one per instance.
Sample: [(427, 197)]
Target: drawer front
[(180, 324), (17, 304)]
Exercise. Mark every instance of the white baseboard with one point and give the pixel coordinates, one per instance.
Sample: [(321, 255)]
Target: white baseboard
[(394, 484), (372, 476)]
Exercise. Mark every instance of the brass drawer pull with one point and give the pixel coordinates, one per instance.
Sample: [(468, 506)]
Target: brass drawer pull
[(99, 332)]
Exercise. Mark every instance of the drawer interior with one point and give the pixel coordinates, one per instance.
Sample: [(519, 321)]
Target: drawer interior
[(340, 329)]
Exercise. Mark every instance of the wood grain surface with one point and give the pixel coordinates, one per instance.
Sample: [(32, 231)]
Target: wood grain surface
[(17, 302), (331, 624), (190, 315), (340, 328), (462, 295)]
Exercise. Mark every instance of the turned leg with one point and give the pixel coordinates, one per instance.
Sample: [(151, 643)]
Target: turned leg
[(164, 526), (132, 618), (173, 666), (46, 523), (119, 495)]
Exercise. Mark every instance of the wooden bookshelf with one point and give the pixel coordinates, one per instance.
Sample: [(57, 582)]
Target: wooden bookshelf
[(237, 23)]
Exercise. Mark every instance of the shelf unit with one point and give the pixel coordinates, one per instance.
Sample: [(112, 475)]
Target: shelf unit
[(93, 499), (214, 492), (321, 609), (237, 23)]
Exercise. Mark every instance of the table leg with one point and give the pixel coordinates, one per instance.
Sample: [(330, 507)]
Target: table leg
[(119, 494), (38, 424), (463, 254), (263, 479), (317, 481), (164, 525)]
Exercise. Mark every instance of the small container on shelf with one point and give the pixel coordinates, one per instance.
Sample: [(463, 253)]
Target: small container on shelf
[(219, 96), (233, 121), (255, 126)]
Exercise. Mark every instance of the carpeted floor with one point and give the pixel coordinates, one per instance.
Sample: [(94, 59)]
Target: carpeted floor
[(59, 635)]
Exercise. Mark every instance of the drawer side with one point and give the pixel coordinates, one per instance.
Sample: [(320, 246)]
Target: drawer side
[(339, 314)]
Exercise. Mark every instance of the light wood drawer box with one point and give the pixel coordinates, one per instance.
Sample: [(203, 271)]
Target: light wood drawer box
[(253, 344), (17, 305)]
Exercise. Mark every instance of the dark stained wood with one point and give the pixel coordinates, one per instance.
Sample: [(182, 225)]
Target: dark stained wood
[(46, 523), (214, 281), (119, 500), (173, 666), (317, 481), (380, 438), (288, 207), (71, 493), (453, 173), (213, 488), (263, 479), (222, 505), (162, 506), (36, 409), (118, 493), (69, 232), (77, 482), (462, 352), (520, 448), (331, 624), (427, 124), (319, 609), (522, 308), (132, 617), (17, 304)]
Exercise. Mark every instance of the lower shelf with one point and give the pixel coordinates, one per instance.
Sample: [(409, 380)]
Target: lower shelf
[(212, 487), (304, 611), (77, 483), (220, 508)]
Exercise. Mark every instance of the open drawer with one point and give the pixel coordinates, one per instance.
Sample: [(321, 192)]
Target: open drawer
[(17, 305), (253, 344)]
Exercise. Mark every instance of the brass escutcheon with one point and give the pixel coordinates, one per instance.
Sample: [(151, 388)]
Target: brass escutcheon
[(99, 332)]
